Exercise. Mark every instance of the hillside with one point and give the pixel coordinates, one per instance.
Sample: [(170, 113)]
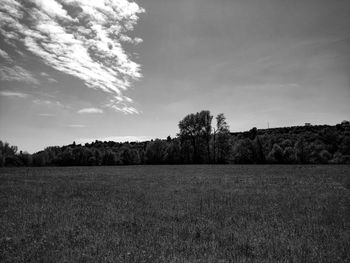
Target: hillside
[(321, 144)]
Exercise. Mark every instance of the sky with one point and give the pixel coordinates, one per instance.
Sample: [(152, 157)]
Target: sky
[(81, 70)]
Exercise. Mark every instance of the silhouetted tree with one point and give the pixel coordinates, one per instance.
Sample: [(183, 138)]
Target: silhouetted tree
[(253, 133), (25, 158), (197, 144), (344, 147), (289, 155), (156, 152), (221, 138), (243, 151), (174, 152), (129, 156), (196, 128), (276, 154), (300, 152), (258, 150), (109, 158), (8, 155), (41, 159)]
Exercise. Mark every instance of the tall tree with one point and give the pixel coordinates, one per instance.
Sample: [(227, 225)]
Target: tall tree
[(221, 138), (174, 152), (196, 128), (7, 154), (259, 152)]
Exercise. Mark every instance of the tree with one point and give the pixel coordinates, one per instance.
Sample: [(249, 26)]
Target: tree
[(7, 154), (174, 152), (300, 152), (314, 150), (156, 152), (98, 155), (345, 146), (253, 133), (330, 137), (25, 158), (196, 128), (66, 157), (221, 138), (41, 159), (52, 153), (109, 158), (258, 150), (325, 157), (243, 151), (129, 156), (289, 155), (276, 154)]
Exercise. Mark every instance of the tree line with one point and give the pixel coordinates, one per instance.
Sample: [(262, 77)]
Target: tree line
[(199, 141)]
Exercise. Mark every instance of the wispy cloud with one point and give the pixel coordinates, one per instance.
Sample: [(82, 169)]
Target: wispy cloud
[(48, 77), (44, 74), (80, 38), (13, 94), (46, 115), (49, 103), (76, 126), (5, 55), (52, 80), (90, 111), (121, 106), (17, 73)]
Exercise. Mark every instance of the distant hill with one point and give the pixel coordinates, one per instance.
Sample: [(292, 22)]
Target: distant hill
[(319, 144)]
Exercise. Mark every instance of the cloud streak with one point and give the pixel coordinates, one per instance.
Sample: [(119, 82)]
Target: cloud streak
[(48, 77), (80, 38), (17, 73), (46, 115), (4, 55), (13, 94), (76, 126), (49, 103), (90, 111)]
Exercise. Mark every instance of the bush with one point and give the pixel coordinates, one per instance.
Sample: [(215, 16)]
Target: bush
[(276, 154), (289, 155), (243, 152), (325, 156)]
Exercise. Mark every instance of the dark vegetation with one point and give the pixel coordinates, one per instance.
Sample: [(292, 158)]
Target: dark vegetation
[(198, 142), (206, 213)]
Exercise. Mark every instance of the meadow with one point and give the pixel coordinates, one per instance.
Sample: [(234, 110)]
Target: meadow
[(182, 213)]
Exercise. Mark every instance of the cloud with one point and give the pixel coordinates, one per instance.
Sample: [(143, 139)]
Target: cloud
[(76, 126), (17, 73), (5, 56), (49, 103), (52, 80), (13, 94), (48, 77), (44, 74), (118, 105), (90, 110), (46, 115), (81, 38), (123, 108)]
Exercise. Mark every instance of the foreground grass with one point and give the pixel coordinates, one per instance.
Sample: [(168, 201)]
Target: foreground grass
[(175, 214)]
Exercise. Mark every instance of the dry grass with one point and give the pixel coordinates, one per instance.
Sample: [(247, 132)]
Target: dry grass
[(175, 214)]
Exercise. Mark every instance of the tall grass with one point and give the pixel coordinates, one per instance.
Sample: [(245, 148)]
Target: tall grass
[(175, 214)]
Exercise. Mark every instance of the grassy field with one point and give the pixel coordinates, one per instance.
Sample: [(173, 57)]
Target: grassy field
[(175, 214)]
